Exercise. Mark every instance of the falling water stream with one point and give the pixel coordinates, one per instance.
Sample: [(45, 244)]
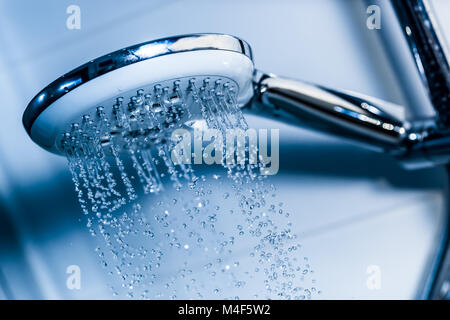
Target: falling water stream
[(217, 233)]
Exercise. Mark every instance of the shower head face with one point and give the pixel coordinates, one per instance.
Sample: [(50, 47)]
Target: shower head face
[(145, 90)]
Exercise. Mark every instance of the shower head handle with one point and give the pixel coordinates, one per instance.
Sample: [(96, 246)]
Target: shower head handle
[(375, 123)]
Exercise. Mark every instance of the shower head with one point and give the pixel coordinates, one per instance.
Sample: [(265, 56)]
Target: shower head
[(157, 74), (145, 90)]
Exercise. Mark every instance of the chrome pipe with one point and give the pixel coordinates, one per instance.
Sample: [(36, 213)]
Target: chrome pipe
[(432, 60)]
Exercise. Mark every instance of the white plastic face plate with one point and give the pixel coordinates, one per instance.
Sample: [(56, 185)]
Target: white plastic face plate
[(103, 90)]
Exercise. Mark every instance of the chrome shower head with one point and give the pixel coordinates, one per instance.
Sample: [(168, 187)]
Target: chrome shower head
[(175, 76)]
